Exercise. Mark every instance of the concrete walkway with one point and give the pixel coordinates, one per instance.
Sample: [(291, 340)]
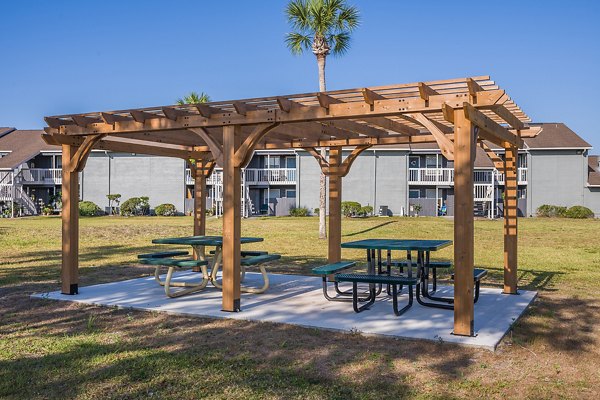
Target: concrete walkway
[(298, 300)]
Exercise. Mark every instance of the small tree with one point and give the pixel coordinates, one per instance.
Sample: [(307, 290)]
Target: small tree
[(113, 198)]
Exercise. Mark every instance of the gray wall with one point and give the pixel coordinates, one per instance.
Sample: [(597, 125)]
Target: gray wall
[(556, 177), (160, 178), (592, 199), (377, 177)]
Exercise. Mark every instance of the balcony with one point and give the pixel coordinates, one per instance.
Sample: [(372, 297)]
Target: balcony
[(40, 176), (445, 176), (253, 176), (521, 174)]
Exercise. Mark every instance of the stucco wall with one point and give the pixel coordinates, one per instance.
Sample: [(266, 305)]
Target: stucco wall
[(376, 178), (160, 178), (556, 177)]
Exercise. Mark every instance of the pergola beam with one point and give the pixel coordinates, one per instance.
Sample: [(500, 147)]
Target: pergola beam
[(491, 130), (336, 111), (125, 147)]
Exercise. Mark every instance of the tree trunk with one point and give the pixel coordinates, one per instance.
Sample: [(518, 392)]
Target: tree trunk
[(322, 181)]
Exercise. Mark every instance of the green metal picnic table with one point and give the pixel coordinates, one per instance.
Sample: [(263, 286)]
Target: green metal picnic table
[(198, 243), (423, 247)]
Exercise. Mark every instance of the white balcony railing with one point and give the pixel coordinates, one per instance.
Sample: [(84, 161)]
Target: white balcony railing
[(445, 176), (253, 176), (41, 176), (271, 176), (431, 176), (521, 175)]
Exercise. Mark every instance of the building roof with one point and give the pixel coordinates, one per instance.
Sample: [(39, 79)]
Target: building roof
[(5, 129), (593, 171), (22, 145), (555, 136)]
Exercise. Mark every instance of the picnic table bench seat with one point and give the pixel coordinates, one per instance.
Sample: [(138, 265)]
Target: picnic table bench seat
[(329, 269), (478, 275), (391, 280), (248, 253), (164, 254), (177, 263), (259, 261)]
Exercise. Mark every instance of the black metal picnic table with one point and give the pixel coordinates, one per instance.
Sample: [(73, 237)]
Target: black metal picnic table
[(423, 247)]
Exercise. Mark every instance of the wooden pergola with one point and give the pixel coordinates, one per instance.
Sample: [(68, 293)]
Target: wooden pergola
[(457, 114)]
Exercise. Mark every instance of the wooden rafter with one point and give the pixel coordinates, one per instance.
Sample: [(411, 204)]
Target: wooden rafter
[(425, 91), (491, 130), (142, 116)]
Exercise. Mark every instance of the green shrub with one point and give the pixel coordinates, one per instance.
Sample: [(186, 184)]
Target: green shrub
[(350, 208), (47, 210), (299, 212), (316, 211), (548, 210), (165, 210), (366, 211), (580, 212), (135, 206), (89, 209)]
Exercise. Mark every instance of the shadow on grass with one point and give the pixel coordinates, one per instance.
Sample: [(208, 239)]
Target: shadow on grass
[(368, 229), (237, 358)]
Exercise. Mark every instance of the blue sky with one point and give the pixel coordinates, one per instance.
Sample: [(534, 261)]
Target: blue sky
[(63, 57)]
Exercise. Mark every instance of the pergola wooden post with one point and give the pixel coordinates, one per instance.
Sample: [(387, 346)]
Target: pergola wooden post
[(334, 250), (69, 274), (465, 142), (445, 112), (232, 190), (201, 170), (510, 219)]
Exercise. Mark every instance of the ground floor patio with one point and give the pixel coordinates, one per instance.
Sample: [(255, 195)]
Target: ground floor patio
[(298, 300)]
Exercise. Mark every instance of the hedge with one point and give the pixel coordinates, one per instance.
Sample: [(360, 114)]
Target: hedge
[(135, 206), (165, 210), (89, 209)]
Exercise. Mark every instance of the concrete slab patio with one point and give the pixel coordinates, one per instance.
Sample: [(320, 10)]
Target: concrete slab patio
[(298, 300)]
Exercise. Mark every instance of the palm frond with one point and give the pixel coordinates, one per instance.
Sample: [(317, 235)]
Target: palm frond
[(298, 42), (298, 14), (348, 19), (339, 42), (194, 98)]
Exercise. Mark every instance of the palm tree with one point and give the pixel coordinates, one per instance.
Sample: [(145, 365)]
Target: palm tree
[(324, 27), (194, 98)]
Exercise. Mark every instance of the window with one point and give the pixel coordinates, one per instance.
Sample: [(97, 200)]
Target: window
[(274, 162), (414, 194), (430, 194), (274, 193), (413, 162), (290, 193), (431, 161), (522, 193), (290, 162)]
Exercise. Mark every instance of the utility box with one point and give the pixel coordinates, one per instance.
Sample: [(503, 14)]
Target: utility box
[(383, 211)]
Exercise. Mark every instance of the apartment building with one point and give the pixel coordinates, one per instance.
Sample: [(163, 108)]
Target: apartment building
[(554, 168)]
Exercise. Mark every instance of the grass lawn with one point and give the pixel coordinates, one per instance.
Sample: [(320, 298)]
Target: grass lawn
[(61, 350)]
